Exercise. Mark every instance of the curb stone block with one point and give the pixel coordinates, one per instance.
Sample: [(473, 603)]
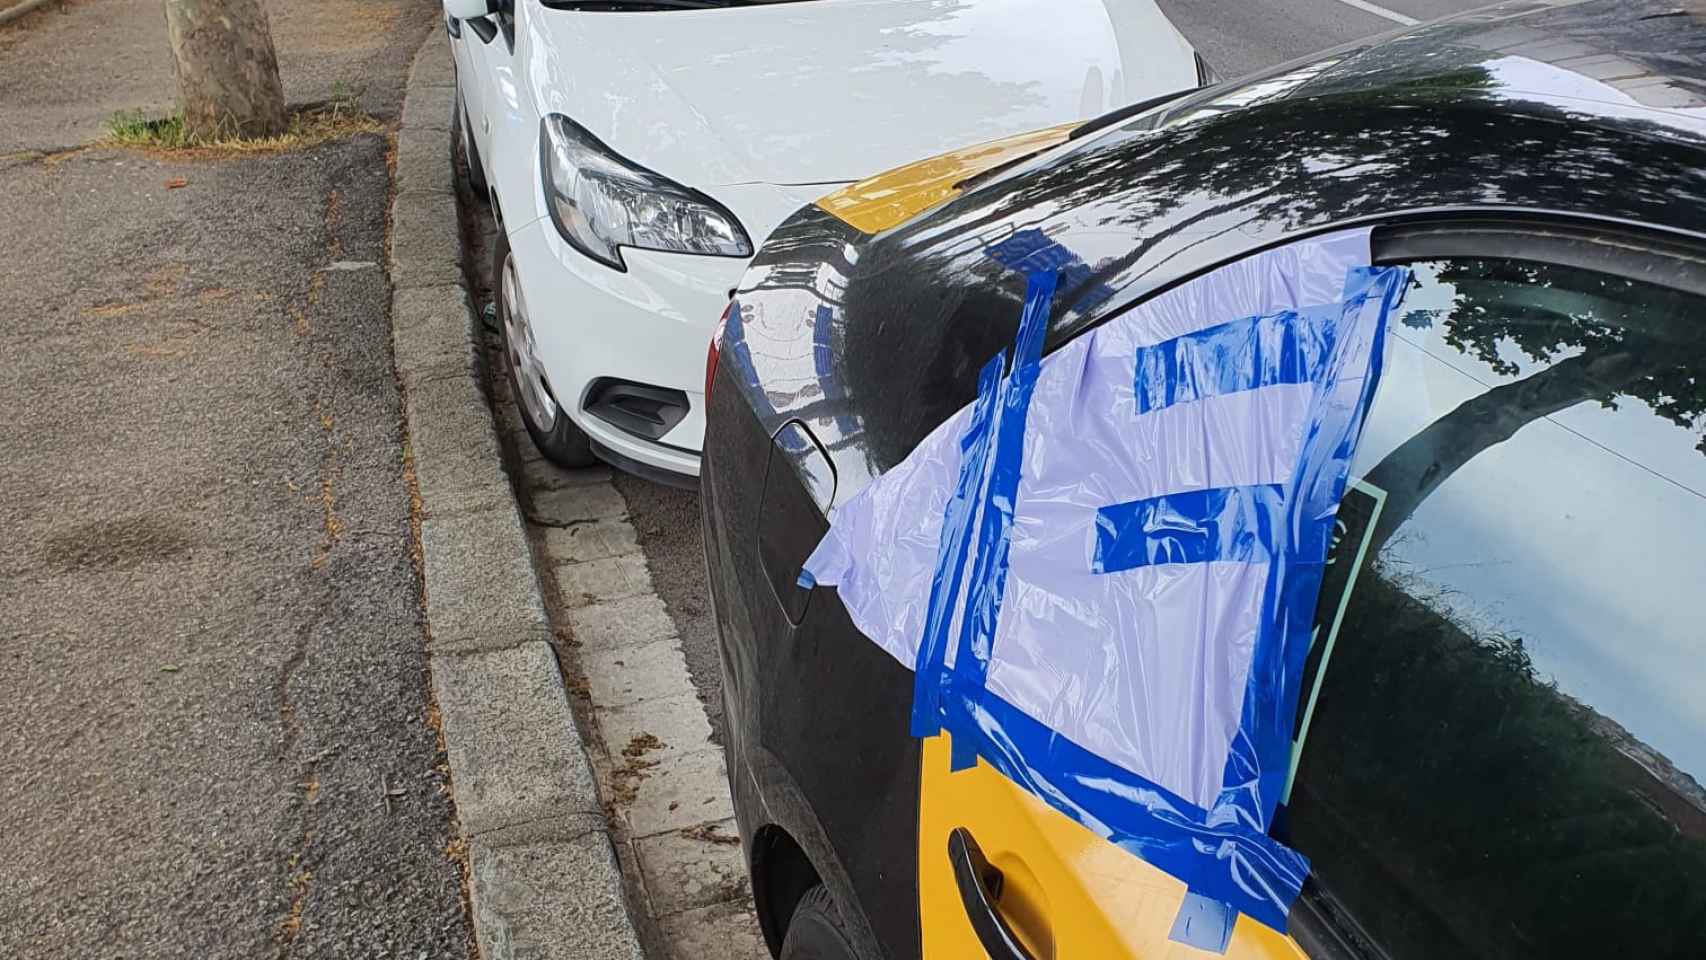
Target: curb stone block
[(429, 108), (684, 872), (458, 464), (598, 540), (599, 580), (620, 623), (515, 753), (620, 676), (678, 793), (423, 163), (442, 308), (678, 722), (481, 593), (434, 66), (430, 335), (532, 902), (550, 829), (426, 241), (560, 508)]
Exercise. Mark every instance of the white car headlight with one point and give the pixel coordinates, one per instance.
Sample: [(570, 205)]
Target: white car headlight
[(601, 202)]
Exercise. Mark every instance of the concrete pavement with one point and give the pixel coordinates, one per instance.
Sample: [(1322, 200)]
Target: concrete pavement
[(218, 720), (66, 69)]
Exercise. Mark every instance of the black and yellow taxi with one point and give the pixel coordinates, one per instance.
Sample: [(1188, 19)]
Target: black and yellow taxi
[(1501, 729)]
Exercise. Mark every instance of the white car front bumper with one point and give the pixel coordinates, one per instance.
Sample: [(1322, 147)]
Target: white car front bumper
[(648, 325)]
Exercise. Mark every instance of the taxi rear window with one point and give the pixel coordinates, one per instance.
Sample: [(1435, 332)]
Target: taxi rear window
[(1507, 739)]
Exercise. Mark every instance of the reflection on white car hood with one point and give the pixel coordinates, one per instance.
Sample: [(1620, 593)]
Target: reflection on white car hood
[(825, 91)]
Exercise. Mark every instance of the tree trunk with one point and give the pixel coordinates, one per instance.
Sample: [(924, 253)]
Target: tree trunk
[(227, 72), (1422, 463)]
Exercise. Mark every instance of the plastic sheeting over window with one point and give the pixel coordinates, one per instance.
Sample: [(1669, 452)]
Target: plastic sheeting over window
[(1104, 570)]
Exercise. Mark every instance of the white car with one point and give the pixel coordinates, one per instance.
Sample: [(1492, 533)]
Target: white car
[(636, 153)]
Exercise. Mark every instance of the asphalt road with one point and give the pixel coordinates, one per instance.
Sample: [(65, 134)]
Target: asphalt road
[(1237, 37), (216, 720)]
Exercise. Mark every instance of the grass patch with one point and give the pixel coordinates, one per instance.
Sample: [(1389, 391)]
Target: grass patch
[(308, 127), (134, 129)]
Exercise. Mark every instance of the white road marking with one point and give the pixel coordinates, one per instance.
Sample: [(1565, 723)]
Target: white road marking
[(1379, 11)]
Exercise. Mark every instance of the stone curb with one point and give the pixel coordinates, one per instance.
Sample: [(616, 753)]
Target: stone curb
[(544, 878)]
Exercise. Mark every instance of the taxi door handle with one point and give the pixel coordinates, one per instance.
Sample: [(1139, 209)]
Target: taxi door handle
[(980, 886)]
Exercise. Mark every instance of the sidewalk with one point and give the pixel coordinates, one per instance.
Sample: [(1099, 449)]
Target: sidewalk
[(221, 737), (62, 74)]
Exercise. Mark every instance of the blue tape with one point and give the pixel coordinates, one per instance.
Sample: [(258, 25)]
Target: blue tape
[(988, 581), (1224, 854), (1204, 923), (951, 547), (1246, 354), (1228, 862), (1240, 524), (1259, 758)]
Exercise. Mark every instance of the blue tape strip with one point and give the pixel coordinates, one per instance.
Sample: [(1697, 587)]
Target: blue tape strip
[(1289, 347), (1204, 923), (1228, 862), (951, 546), (1256, 765), (1200, 526), (988, 582)]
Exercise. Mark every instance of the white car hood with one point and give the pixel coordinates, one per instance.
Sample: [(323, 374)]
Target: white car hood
[(828, 91)]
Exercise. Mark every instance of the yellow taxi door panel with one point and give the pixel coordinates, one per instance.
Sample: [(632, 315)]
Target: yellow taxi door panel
[(1066, 893)]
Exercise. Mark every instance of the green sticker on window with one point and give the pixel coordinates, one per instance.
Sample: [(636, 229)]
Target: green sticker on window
[(1353, 527)]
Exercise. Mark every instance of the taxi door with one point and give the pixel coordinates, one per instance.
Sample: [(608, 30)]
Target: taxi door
[(1000, 872), (992, 855)]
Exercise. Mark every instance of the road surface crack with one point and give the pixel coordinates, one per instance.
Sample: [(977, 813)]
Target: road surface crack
[(301, 878)]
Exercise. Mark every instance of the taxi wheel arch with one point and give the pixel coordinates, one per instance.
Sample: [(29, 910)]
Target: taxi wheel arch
[(782, 875)]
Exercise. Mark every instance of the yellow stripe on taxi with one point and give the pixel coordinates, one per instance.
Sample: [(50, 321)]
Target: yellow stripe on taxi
[(879, 202)]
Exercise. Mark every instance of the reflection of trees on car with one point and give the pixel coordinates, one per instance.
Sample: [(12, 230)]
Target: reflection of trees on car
[(1461, 806), (1582, 336), (1318, 145), (1457, 802)]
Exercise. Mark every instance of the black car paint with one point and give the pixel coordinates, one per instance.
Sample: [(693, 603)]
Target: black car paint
[(1429, 124), (810, 742)]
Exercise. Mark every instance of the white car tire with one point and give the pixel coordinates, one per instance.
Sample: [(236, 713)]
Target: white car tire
[(546, 421)]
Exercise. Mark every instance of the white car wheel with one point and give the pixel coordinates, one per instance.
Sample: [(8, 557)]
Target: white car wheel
[(547, 423)]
